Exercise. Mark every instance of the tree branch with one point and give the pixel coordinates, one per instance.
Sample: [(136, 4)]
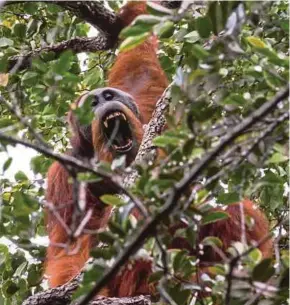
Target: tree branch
[(95, 13), (147, 152), (76, 45), (62, 296)]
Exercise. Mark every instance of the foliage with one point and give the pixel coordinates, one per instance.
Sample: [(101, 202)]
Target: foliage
[(219, 80)]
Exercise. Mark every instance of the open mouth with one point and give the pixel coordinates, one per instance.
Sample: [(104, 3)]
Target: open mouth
[(117, 130)]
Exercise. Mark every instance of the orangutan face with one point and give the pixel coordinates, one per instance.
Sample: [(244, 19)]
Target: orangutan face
[(116, 128)]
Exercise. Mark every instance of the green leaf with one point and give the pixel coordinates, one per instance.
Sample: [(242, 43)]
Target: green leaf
[(24, 204), (4, 254), (214, 217), (6, 42), (265, 50), (40, 164), (21, 269), (131, 42), (19, 30), (88, 177), (93, 77), (145, 20), (234, 99), (39, 65), (155, 277), (30, 7), (4, 122), (179, 258), (215, 15), (218, 269), (256, 255), (107, 237), (34, 275), (141, 25), (105, 253), (277, 157), (165, 29), (17, 259), (32, 27), (256, 42), (285, 26), (273, 81), (228, 198), (117, 228), (199, 52), (135, 30), (29, 78), (113, 200), (157, 9), (84, 113), (20, 176), (90, 278), (284, 281), (203, 26), (9, 288), (272, 178), (7, 164), (263, 271), (164, 141), (64, 62), (3, 63), (212, 241), (192, 37), (179, 295)]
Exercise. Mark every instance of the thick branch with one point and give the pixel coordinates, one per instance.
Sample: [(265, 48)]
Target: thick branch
[(76, 45), (56, 296), (95, 13), (147, 152), (62, 295)]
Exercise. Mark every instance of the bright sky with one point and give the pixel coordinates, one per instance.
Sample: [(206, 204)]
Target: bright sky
[(21, 157)]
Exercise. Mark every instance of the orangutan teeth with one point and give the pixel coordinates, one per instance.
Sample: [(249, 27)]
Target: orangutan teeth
[(128, 145), (114, 115)]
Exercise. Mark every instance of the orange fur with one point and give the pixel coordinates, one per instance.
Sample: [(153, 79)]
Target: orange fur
[(230, 230), (138, 71), (65, 260)]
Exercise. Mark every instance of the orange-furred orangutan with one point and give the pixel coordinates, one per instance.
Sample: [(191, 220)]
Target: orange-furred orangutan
[(135, 83)]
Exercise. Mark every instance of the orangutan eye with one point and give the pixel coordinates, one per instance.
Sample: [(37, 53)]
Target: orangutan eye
[(108, 95), (95, 101)]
